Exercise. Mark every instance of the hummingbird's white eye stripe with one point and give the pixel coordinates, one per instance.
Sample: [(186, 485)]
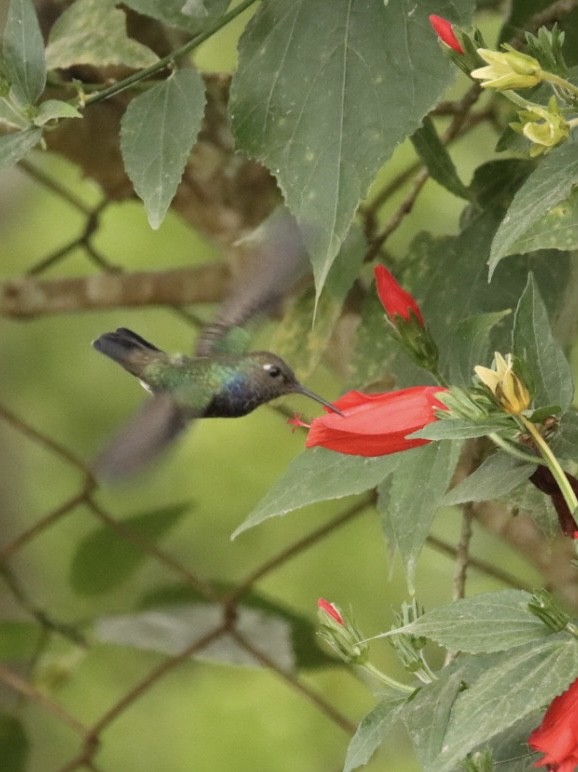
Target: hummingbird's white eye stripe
[(273, 370)]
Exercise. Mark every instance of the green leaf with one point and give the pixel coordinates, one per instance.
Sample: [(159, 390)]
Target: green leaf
[(490, 622), (104, 559), (14, 744), (449, 276), (12, 116), (435, 156), (94, 32), (557, 229), (190, 16), (497, 475), (15, 146), (325, 92), (371, 732), (550, 184), (426, 716), (304, 640), (521, 681), (19, 640), (296, 339), (171, 630), (510, 748), (23, 52), (158, 131), (543, 359), (375, 345), (318, 475), (53, 110), (469, 345), (457, 429), (409, 501), (565, 444)]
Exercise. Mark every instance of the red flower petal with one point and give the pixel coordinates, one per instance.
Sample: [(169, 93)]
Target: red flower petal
[(376, 424), (330, 609), (445, 32), (395, 300), (557, 735)]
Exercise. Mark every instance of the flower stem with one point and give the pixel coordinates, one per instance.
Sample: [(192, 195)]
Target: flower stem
[(515, 451), (385, 679), (550, 77), (553, 464), (186, 48), (514, 97)]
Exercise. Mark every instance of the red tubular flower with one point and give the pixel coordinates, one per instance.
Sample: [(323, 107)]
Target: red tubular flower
[(395, 300), (557, 735), (445, 32), (376, 424), (330, 609)]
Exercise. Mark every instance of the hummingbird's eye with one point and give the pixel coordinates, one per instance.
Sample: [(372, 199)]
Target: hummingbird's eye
[(273, 370)]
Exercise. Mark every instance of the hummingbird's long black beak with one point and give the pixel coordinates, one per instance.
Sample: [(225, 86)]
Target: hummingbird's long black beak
[(302, 390)]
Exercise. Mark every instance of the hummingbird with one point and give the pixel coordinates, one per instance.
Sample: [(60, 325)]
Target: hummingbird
[(222, 379)]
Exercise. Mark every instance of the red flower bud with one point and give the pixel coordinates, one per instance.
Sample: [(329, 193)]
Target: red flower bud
[(557, 735), (445, 32), (395, 300), (376, 424), (330, 609)]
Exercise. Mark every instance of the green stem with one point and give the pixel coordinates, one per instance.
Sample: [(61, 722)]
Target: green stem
[(429, 674), (385, 679), (515, 451), (553, 465), (439, 378), (122, 85), (514, 97), (558, 81)]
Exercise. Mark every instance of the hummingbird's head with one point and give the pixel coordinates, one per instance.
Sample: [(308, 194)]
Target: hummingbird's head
[(276, 378), (272, 374)]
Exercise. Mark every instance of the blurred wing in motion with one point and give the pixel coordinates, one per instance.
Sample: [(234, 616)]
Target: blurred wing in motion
[(143, 438), (274, 260)]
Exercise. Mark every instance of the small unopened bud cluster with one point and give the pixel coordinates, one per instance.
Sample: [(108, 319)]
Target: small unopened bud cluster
[(340, 634), (409, 648), (510, 70), (405, 317)]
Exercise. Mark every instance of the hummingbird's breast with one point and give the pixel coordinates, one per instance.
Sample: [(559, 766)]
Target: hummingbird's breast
[(233, 399), (210, 387)]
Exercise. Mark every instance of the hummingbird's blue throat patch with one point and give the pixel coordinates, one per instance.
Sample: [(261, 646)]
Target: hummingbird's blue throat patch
[(234, 400)]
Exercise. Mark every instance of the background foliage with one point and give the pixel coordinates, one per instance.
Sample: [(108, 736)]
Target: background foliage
[(135, 634)]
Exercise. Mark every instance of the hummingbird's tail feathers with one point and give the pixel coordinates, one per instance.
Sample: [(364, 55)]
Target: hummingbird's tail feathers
[(141, 440), (131, 337), (127, 348)]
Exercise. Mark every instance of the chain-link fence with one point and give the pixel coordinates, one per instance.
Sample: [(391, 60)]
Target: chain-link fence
[(57, 473)]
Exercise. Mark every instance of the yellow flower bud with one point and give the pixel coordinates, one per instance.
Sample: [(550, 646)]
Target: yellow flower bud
[(507, 69), (507, 389), (544, 127)]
